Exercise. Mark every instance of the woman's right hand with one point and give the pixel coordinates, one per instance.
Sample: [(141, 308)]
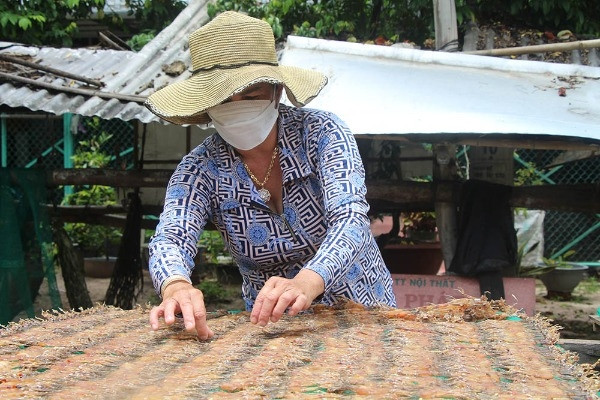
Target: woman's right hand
[(182, 297)]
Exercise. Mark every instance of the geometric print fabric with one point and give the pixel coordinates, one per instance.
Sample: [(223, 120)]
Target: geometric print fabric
[(324, 226)]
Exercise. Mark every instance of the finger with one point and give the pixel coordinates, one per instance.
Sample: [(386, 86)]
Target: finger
[(170, 305), (155, 314), (260, 299), (204, 332), (300, 304), (287, 297), (269, 302), (187, 309), (256, 310)]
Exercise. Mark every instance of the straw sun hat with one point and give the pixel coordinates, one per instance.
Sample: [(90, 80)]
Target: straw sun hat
[(229, 54)]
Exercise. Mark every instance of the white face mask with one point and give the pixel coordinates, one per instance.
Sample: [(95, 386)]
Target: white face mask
[(244, 124)]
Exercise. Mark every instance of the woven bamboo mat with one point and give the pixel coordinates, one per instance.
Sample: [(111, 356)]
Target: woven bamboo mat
[(465, 349)]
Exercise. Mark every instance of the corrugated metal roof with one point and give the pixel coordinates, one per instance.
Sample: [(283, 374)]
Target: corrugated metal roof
[(122, 72), (387, 90)]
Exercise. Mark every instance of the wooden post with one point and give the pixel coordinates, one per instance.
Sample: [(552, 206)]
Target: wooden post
[(445, 211), (446, 31), (446, 39)]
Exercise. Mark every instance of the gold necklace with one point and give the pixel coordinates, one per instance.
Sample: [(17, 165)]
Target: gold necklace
[(263, 193)]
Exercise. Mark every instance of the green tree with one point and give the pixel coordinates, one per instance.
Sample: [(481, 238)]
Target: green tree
[(54, 22), (396, 20), (152, 16), (155, 14), (49, 22), (582, 17), (409, 20)]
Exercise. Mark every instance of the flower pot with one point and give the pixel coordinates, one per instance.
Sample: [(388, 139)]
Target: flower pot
[(99, 267), (422, 236), (561, 281)]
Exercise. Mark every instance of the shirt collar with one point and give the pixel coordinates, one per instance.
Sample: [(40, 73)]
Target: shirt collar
[(292, 142)]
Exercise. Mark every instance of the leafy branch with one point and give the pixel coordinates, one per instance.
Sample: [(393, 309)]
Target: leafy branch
[(45, 22)]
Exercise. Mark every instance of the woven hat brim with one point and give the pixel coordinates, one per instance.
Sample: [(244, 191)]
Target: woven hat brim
[(186, 102)]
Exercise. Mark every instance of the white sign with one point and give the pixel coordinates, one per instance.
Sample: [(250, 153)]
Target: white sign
[(491, 164)]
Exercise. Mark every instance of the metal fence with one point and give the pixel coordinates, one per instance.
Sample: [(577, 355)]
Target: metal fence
[(564, 231), (32, 141), (49, 141), (45, 141), (40, 141), (120, 146)]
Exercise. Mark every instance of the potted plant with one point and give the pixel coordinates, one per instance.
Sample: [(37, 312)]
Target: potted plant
[(215, 259), (97, 243), (562, 276), (412, 245), (98, 246), (419, 226)]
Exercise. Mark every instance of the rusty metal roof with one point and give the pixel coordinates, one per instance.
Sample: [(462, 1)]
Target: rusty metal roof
[(123, 73)]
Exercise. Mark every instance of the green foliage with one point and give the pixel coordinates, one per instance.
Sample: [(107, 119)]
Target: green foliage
[(90, 153), (422, 221), (54, 22), (547, 266), (92, 239), (214, 292), (44, 21), (153, 16), (141, 39), (213, 244), (532, 271), (579, 16), (529, 271), (408, 20), (528, 176), (560, 261), (394, 20)]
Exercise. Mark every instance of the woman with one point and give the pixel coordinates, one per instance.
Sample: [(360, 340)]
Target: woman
[(283, 185)]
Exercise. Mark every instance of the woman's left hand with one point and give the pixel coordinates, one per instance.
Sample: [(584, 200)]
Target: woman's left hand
[(279, 294)]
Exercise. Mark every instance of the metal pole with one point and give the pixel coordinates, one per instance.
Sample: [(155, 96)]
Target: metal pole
[(576, 240), (4, 141), (68, 147), (44, 153)]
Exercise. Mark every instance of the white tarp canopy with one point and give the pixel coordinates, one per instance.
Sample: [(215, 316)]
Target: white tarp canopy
[(389, 90)]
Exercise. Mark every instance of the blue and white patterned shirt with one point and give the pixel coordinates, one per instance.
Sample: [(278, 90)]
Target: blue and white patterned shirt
[(324, 226)]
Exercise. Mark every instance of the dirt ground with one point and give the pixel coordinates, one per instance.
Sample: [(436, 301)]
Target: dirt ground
[(147, 297), (573, 316)]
